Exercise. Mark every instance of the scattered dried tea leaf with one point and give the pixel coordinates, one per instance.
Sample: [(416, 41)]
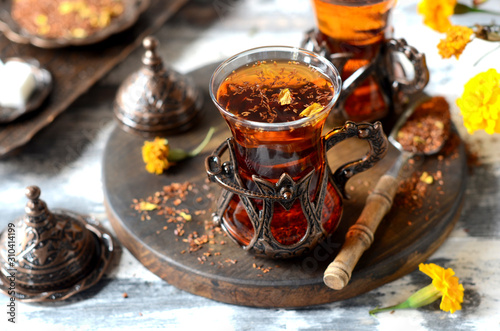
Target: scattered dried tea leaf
[(41, 19), (418, 140), (146, 206), (311, 110), (426, 178), (78, 33), (185, 216), (285, 97)]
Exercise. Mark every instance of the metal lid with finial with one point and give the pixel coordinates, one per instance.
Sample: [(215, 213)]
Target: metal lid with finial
[(156, 100), (52, 255)]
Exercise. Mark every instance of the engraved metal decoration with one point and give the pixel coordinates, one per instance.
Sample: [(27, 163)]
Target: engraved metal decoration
[(285, 191), (388, 70), (156, 100), (52, 256)]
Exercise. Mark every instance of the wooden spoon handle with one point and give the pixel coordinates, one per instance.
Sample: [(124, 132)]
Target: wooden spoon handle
[(360, 235)]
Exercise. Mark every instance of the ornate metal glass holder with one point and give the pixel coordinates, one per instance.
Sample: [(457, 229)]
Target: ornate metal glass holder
[(286, 191)]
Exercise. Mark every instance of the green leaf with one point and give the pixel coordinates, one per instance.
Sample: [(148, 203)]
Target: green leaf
[(461, 9)]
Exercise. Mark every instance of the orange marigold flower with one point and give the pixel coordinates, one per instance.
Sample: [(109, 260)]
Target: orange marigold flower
[(444, 285), (444, 281), (480, 102), (437, 13), (158, 155), (155, 155), (457, 37)]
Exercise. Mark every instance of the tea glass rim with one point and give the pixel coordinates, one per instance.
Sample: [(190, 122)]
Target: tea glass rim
[(336, 82)]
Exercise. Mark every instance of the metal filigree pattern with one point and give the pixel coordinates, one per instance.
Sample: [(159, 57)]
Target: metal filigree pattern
[(56, 254), (53, 255), (156, 100), (286, 191)]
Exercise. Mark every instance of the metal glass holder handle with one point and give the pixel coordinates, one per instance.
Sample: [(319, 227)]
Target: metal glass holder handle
[(373, 134), (418, 63)]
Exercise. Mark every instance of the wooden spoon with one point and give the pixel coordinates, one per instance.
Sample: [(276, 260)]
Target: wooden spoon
[(360, 236)]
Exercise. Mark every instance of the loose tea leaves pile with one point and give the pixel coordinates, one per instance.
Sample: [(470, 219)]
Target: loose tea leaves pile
[(428, 128), (205, 244), (55, 19), (426, 131)]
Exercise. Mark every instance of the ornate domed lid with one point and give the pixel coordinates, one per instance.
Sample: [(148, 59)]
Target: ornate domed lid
[(51, 256), (156, 100)]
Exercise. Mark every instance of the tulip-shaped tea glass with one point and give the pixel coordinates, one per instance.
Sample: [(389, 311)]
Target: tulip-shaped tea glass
[(358, 28), (380, 74), (279, 196)]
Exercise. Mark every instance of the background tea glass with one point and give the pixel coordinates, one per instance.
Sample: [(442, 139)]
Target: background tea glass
[(280, 197), (358, 28)]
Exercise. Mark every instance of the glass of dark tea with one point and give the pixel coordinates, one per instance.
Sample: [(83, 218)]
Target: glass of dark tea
[(358, 27), (279, 196)]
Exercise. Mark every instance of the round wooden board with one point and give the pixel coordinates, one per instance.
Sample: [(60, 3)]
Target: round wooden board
[(229, 274)]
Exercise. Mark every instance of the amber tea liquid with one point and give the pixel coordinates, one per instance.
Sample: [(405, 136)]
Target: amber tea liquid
[(254, 93), (358, 27)]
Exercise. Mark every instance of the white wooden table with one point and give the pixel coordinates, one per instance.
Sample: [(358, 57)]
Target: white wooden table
[(65, 161)]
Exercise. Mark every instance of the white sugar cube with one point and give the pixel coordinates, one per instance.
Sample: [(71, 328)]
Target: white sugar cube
[(16, 84)]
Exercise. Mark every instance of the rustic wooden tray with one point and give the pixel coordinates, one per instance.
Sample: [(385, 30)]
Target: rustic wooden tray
[(76, 69), (403, 240)]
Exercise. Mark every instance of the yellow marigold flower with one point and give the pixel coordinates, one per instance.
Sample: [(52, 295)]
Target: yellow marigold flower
[(444, 285), (437, 13), (426, 178), (285, 97), (311, 110), (457, 37), (158, 155), (117, 9), (155, 155), (444, 281), (41, 20), (104, 19), (43, 30), (65, 7), (78, 33), (480, 102)]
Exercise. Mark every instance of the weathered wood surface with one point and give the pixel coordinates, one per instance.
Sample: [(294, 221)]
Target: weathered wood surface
[(75, 69), (65, 161)]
